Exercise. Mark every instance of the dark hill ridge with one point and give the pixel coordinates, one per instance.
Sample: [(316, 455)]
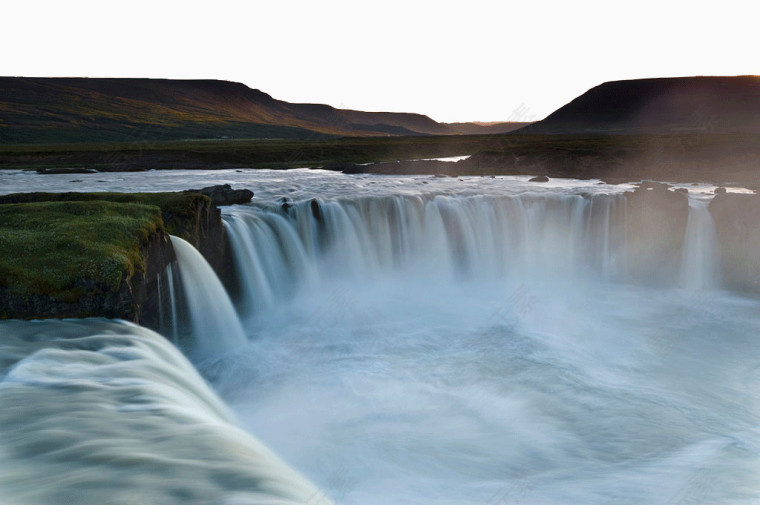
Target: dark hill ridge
[(61, 110), (661, 106)]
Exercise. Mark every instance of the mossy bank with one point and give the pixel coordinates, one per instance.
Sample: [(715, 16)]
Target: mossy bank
[(98, 254)]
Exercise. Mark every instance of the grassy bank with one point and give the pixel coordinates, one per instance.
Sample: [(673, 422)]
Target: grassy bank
[(719, 157), (177, 210), (716, 158), (211, 154), (66, 245), (63, 249)]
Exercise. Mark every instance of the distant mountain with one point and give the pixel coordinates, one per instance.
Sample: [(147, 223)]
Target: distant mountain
[(61, 110), (477, 128), (660, 106)]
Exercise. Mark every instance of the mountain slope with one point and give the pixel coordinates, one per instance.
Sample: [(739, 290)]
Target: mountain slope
[(39, 110), (660, 106)]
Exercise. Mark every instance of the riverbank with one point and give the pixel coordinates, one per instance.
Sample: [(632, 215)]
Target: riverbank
[(715, 158), (99, 254)]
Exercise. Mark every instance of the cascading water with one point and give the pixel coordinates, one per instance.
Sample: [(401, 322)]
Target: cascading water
[(464, 349), (138, 424), (433, 341), (699, 264), (216, 327), (168, 323), (440, 238)]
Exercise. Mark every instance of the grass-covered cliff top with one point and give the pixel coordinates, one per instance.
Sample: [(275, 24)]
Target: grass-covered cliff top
[(176, 208), (64, 245), (64, 249)]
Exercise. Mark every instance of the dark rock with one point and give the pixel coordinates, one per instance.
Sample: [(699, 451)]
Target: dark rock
[(720, 190), (316, 210), (540, 178), (66, 171), (345, 167), (653, 185), (286, 204), (681, 190), (223, 194)]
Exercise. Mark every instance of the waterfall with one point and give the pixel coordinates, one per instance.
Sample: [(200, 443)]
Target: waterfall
[(699, 263), (216, 326), (98, 411), (168, 321), (279, 251)]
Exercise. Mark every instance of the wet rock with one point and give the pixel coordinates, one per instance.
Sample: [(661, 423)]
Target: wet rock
[(286, 204), (652, 185), (223, 194), (720, 190), (540, 178), (79, 170), (316, 210)]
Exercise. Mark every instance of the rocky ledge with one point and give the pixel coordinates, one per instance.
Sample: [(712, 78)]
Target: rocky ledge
[(223, 194), (100, 254)]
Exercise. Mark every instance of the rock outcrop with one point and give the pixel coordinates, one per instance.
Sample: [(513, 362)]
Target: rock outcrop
[(223, 194), (135, 297), (136, 300)]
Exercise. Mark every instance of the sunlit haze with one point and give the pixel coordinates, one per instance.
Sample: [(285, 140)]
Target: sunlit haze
[(454, 61)]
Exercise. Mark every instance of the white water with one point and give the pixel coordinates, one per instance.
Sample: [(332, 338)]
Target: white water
[(432, 239), (699, 265), (216, 327), (437, 341), (96, 412), (451, 349)]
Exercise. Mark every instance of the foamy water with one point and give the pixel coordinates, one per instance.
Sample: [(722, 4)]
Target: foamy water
[(420, 340)]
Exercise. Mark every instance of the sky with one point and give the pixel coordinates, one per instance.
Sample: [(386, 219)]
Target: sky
[(467, 60)]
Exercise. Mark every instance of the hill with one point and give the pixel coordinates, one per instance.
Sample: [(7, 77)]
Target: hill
[(660, 106), (63, 110)]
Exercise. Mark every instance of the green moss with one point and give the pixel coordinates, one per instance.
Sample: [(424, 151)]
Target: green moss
[(66, 248), (179, 210)]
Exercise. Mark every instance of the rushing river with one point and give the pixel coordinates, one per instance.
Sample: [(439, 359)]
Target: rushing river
[(402, 340)]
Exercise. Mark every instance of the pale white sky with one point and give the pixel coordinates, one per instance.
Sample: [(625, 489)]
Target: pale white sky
[(454, 61)]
